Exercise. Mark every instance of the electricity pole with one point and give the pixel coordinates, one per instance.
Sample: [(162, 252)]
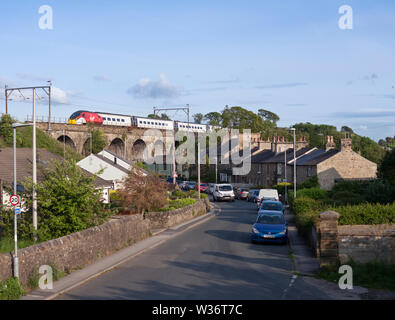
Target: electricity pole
[(285, 175), (294, 132), (198, 169)]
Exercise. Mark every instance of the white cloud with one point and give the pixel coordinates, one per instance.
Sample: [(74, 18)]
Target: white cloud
[(147, 88), (58, 95)]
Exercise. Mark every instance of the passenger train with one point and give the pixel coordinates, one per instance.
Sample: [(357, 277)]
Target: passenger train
[(112, 119)]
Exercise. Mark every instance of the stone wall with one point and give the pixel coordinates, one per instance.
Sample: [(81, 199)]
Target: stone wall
[(82, 248), (364, 243), (360, 243), (172, 218)]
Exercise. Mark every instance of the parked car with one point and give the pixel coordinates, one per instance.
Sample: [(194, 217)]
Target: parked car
[(242, 194), (270, 206), (223, 192), (191, 185), (267, 194), (204, 187), (251, 193), (270, 227), (184, 185)]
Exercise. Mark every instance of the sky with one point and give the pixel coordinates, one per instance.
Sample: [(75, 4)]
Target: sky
[(289, 57)]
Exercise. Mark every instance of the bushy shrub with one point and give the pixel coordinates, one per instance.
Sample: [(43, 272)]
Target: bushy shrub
[(358, 187), (177, 204), (142, 192), (306, 212), (346, 197), (192, 194), (366, 214), (313, 193), (280, 187), (380, 192), (10, 289), (178, 194), (312, 182), (114, 195), (302, 205)]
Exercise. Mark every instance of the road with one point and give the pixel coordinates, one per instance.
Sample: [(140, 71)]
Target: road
[(214, 260)]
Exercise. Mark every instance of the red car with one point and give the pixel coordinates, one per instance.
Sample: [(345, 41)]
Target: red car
[(203, 187), (83, 117)]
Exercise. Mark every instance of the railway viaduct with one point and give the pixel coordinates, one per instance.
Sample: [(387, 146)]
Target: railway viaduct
[(126, 142)]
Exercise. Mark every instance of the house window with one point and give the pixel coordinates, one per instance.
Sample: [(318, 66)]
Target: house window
[(309, 172)]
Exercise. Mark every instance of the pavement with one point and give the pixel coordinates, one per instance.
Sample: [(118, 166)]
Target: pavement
[(305, 262)]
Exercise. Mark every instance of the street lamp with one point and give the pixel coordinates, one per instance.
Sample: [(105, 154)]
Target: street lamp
[(16, 260), (294, 132)]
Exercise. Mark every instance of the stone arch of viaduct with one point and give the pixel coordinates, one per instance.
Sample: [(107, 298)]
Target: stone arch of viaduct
[(125, 142)]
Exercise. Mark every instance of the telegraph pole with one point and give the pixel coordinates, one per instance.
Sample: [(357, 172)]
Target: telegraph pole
[(34, 163), (198, 169), (8, 92)]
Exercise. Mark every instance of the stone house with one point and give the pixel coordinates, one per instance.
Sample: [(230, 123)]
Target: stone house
[(329, 165)]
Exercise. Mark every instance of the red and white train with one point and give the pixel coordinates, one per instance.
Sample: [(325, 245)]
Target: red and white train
[(112, 119)]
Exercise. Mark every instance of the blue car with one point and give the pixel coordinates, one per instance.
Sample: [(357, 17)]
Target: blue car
[(271, 206), (270, 226)]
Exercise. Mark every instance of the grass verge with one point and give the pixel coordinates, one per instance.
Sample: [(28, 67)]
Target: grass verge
[(374, 275)]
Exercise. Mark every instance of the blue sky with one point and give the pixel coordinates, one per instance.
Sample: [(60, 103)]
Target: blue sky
[(286, 56)]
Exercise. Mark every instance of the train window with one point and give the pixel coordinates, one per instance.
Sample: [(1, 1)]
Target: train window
[(141, 121), (104, 118), (75, 115), (123, 120), (113, 119), (145, 122), (118, 120)]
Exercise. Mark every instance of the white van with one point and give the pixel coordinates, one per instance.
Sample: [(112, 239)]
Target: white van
[(223, 192), (267, 194)]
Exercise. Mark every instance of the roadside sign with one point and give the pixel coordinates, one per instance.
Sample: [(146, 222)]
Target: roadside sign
[(14, 199), (17, 210)]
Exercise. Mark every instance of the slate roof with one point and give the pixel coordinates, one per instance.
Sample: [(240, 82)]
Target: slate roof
[(308, 156), (316, 157)]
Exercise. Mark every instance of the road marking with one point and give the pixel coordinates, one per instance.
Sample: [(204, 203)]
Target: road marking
[(293, 278)]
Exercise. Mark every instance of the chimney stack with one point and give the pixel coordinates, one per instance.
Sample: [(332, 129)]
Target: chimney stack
[(330, 144), (346, 144)]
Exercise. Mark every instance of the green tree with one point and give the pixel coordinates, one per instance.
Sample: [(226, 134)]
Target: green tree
[(198, 117), (6, 128), (163, 116), (213, 118), (67, 200), (268, 115), (98, 141), (386, 168)]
